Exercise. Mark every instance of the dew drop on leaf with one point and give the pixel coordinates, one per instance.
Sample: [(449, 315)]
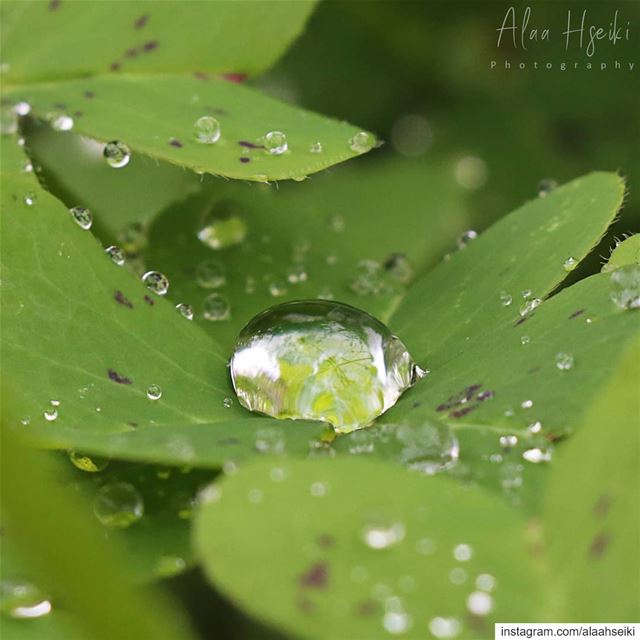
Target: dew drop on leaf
[(275, 143), (118, 505), (168, 566), (117, 154), (60, 121), (154, 392), (50, 414), (546, 186), (537, 455), (296, 274), (207, 130), (227, 403), (315, 147), (369, 278), (277, 288), (427, 446), (398, 267), (320, 360), (485, 582), (465, 238), (564, 361), (270, 440), (480, 603), (23, 600), (90, 464), (30, 198), (22, 108), (535, 427), (216, 307), (361, 142), (570, 264), (625, 287), (220, 231), (505, 299), (529, 306), (116, 254), (507, 442), (185, 310), (156, 282), (445, 627), (210, 274), (381, 535), (462, 552), (82, 217), (525, 339)]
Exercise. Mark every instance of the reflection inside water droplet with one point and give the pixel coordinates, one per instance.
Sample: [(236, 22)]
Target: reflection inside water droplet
[(118, 505), (117, 154)]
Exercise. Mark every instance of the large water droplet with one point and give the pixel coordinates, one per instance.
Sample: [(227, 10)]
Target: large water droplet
[(216, 307), (154, 392), (82, 217), (625, 287), (207, 130), (118, 505), (361, 142), (117, 154), (22, 600), (156, 282), (91, 464), (564, 361), (320, 360), (275, 143)]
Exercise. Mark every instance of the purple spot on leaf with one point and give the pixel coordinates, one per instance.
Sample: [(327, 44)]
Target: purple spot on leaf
[(577, 313), (200, 75), (141, 21), (250, 145), (599, 545), (114, 66), (116, 377), (131, 53), (174, 142), (149, 300), (316, 577), (151, 45), (54, 5), (326, 540), (245, 160), (602, 506), (89, 94), (235, 77), (366, 608), (121, 299)]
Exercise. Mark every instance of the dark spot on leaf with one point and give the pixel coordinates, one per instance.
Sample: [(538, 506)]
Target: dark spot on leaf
[(224, 442), (245, 160), (116, 377), (458, 413), (599, 545), (78, 114), (393, 260), (521, 320), (366, 608), (577, 313), (326, 540), (132, 424), (149, 300), (200, 75), (174, 142), (533, 369), (316, 577), (485, 395), (250, 145), (60, 105), (602, 506), (234, 77), (217, 111), (151, 45), (416, 404), (131, 53), (476, 623), (141, 21), (114, 66), (89, 94), (54, 5), (121, 299)]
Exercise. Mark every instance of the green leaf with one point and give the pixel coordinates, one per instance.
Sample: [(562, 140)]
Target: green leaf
[(592, 516), (324, 580), (526, 250), (155, 115), (52, 530), (624, 253), (81, 331), (57, 40), (74, 170), (322, 228)]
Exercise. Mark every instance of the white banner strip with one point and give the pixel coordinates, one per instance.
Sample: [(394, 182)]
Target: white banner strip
[(504, 631)]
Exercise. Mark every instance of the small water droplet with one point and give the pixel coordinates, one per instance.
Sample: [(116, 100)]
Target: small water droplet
[(465, 238), (505, 299), (507, 442), (169, 566), (26, 421), (223, 227), (22, 108), (207, 130), (154, 392), (255, 496), (227, 403), (525, 339), (315, 147), (396, 620), (529, 306), (527, 404), (337, 224), (471, 172), (30, 198), (275, 143), (118, 505), (564, 361), (91, 464), (60, 121), (546, 186), (82, 217), (398, 267), (425, 546), (457, 576), (462, 552), (210, 274), (319, 360), (369, 278), (23, 600), (117, 154), (537, 455), (624, 287), (156, 282), (296, 274), (485, 582), (270, 440), (535, 427), (116, 254), (50, 414), (216, 308), (427, 446), (445, 627), (526, 294), (570, 264), (319, 489), (383, 535), (27, 167), (185, 310), (480, 603), (277, 288), (361, 142)]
